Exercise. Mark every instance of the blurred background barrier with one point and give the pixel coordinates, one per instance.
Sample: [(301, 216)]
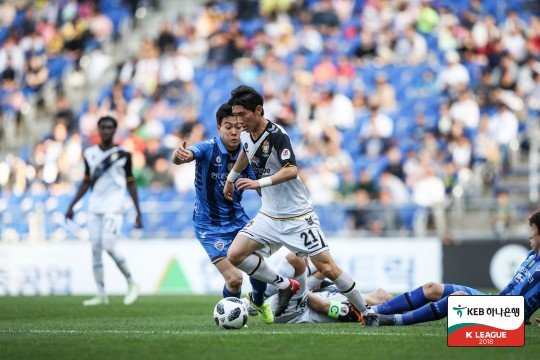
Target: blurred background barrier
[(182, 267), (483, 264)]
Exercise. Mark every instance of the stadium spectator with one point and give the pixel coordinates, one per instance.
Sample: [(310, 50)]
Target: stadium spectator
[(454, 76), (504, 129), (429, 195), (317, 69)]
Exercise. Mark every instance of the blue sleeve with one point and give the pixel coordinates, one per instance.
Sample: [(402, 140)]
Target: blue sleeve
[(200, 149)]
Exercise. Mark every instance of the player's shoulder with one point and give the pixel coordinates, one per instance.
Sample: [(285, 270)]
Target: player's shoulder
[(91, 150), (204, 143), (276, 129), (123, 152), (532, 254)]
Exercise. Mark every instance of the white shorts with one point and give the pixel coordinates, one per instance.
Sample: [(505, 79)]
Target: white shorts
[(104, 229), (301, 235)]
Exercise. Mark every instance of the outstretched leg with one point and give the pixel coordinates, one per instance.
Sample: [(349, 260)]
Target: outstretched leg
[(430, 312), (415, 299)]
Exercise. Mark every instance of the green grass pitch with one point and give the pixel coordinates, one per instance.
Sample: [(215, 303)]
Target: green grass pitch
[(182, 327)]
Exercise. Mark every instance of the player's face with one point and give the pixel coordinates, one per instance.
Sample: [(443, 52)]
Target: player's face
[(106, 131), (230, 130), (246, 118), (534, 238)]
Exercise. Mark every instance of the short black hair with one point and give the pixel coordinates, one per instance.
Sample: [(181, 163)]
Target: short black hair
[(247, 97), (107, 118), (535, 219), (225, 110)]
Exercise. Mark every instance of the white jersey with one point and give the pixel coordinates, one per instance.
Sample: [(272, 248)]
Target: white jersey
[(268, 154), (108, 172)]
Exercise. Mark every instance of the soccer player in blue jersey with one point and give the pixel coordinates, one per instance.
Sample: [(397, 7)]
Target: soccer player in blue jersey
[(430, 301), (217, 220)]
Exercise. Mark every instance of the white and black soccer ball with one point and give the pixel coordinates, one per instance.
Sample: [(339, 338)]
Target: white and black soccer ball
[(230, 313)]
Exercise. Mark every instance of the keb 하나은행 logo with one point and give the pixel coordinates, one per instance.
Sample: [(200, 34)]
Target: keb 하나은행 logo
[(459, 310), (485, 320)]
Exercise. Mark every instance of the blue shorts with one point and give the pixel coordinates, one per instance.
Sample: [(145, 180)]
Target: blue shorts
[(466, 289), (216, 244)]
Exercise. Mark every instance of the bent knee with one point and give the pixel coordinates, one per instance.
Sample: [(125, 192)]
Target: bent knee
[(298, 263), (433, 290), (235, 282), (330, 270)]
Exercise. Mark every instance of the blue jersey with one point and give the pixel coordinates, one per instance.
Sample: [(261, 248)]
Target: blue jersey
[(526, 282), (212, 211)]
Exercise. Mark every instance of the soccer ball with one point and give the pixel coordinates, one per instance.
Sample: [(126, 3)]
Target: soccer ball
[(230, 313)]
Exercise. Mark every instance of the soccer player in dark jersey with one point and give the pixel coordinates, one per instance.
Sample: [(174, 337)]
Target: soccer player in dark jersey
[(430, 301), (217, 220), (286, 216)]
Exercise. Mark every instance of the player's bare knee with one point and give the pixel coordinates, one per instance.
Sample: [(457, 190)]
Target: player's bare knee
[(433, 291), (299, 264), (235, 257), (329, 270)]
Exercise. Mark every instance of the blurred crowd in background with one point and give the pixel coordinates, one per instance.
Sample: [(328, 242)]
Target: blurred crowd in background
[(394, 108)]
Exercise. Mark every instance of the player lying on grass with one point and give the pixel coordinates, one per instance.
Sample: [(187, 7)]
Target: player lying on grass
[(217, 220), (315, 302), (430, 302)]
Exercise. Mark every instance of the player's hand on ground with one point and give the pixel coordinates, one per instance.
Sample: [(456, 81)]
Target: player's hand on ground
[(69, 214), (181, 155), (245, 184), (138, 222), (228, 190)]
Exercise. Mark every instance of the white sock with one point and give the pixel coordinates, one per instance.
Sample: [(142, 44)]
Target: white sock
[(313, 282), (285, 270), (347, 287), (97, 268), (120, 261), (256, 267)]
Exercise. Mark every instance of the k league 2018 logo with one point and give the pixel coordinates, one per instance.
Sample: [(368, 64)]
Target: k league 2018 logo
[(486, 320)]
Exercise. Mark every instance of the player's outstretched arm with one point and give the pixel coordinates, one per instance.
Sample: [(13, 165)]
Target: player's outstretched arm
[(285, 174), (182, 155), (239, 166), (132, 189), (83, 188)]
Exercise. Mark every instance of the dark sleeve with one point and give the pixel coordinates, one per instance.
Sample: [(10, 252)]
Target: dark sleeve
[(285, 154), (86, 169), (128, 168)]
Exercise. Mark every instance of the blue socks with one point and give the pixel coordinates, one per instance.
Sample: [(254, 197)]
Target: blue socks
[(259, 288), (432, 311), (228, 293), (404, 302)]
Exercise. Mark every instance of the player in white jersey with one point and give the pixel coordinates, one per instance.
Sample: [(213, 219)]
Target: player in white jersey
[(286, 216), (108, 174)]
